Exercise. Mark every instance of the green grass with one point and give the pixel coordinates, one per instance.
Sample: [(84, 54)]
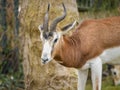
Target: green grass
[(107, 84)]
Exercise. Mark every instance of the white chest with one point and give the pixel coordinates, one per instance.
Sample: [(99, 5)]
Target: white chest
[(111, 56)]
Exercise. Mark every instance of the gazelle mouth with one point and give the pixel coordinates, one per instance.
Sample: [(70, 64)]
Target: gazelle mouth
[(45, 61)]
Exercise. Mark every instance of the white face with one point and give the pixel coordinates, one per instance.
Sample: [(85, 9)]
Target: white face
[(48, 41), (116, 74)]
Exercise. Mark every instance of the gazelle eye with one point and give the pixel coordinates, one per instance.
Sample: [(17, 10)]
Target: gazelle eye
[(55, 40)]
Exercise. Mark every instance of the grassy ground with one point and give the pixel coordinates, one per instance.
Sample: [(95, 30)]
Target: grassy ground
[(107, 84)]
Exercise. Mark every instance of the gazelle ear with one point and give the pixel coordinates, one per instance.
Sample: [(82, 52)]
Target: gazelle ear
[(68, 27), (40, 27)]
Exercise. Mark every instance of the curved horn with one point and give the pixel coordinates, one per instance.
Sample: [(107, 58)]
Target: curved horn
[(46, 19), (57, 20)]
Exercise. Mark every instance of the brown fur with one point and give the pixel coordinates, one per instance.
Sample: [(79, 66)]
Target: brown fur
[(89, 40)]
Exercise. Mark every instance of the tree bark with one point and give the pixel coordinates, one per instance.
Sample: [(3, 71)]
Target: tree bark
[(51, 76)]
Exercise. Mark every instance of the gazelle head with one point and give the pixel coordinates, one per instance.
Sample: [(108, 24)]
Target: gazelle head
[(50, 36)]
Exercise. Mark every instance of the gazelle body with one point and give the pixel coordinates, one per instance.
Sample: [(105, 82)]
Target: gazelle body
[(93, 43)]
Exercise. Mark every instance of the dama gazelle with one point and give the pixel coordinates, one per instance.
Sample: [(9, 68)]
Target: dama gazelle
[(114, 70), (93, 43)]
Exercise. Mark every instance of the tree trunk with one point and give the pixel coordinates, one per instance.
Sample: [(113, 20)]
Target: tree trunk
[(51, 76)]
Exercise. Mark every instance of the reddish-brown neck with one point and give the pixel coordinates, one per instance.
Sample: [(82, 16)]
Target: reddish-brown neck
[(67, 50)]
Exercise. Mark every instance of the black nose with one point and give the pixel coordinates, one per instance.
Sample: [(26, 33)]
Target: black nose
[(44, 60)]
